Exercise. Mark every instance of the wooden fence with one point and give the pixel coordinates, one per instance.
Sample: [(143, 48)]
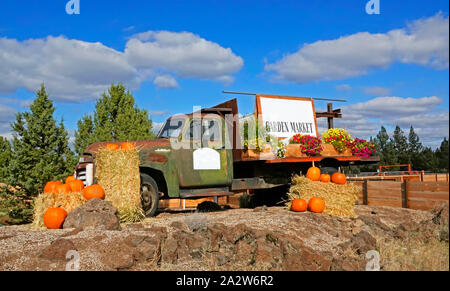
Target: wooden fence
[(407, 194)]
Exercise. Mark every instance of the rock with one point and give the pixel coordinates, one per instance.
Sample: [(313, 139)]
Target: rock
[(260, 208), (441, 215), (58, 250), (95, 213)]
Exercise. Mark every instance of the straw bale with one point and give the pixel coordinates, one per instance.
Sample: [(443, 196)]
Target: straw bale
[(339, 199), (117, 171)]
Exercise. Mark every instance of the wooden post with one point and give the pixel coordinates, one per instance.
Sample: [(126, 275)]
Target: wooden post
[(421, 175), (365, 194), (330, 119), (405, 188)]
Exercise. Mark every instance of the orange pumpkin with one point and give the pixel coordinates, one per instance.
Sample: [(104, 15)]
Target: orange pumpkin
[(313, 174), (316, 204), (93, 191), (325, 178), (338, 178), (50, 187), (299, 205), (70, 179), (63, 189), (127, 146), (76, 185), (54, 218), (112, 146)]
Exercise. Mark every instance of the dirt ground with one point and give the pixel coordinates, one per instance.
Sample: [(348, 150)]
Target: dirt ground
[(264, 238)]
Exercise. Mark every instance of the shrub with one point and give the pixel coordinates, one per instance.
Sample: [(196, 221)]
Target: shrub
[(15, 205)]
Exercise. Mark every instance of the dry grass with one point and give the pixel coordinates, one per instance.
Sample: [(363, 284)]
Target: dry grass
[(339, 199), (415, 253), (45, 201), (117, 172)]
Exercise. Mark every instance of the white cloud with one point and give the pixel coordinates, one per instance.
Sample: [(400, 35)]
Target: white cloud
[(184, 53), (424, 42), (156, 126), (77, 71), (364, 119), (72, 70), (382, 107), (377, 91), (165, 82), (343, 87), (158, 112), (7, 115)]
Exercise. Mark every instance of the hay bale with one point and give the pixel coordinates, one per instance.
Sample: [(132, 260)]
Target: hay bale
[(339, 199), (67, 201), (117, 171)]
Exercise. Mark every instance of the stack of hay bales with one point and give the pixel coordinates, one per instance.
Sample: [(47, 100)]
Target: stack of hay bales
[(339, 199), (117, 171), (66, 201)]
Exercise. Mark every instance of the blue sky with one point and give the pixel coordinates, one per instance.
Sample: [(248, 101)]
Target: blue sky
[(392, 67)]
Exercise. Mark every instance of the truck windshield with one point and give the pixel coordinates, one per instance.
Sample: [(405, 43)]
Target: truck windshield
[(172, 128)]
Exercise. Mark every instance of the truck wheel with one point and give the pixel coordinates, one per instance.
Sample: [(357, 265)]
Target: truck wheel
[(149, 195)]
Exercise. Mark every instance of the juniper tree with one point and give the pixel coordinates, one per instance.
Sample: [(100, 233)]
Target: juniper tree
[(116, 117), (40, 150), (5, 158)]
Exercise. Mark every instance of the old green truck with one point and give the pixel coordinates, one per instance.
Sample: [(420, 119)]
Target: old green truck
[(201, 155)]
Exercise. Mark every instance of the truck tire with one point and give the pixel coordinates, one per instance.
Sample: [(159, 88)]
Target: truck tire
[(149, 195)]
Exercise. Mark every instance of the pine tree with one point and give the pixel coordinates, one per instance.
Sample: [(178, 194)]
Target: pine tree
[(116, 117), (385, 148), (83, 136), (428, 160), (415, 147), (400, 143), (40, 147), (5, 158), (442, 155)]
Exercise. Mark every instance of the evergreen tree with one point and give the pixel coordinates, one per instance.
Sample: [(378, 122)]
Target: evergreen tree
[(5, 158), (428, 160), (116, 117), (442, 155), (385, 148), (415, 147), (40, 147), (400, 143), (83, 134)]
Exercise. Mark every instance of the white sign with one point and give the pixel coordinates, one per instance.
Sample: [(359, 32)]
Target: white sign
[(284, 116), (206, 159)]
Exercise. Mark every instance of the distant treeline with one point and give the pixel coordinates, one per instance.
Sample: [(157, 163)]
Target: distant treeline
[(402, 149)]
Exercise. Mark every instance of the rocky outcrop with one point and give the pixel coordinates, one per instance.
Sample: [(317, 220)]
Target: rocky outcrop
[(242, 239), (95, 213)]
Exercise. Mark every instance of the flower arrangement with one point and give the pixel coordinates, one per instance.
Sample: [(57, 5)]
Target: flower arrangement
[(361, 147), (281, 149), (337, 137), (309, 145)]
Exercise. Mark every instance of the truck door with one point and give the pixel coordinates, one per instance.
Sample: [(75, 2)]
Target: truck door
[(207, 162)]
